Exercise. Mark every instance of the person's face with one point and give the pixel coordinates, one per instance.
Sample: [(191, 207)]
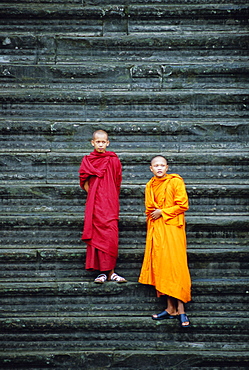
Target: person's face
[(159, 167), (100, 142)]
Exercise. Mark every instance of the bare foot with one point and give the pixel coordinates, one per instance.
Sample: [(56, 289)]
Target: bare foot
[(172, 312)]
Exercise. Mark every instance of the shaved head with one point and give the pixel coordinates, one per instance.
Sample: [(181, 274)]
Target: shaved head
[(100, 132), (159, 156)]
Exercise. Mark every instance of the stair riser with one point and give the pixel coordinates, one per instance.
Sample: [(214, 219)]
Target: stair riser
[(30, 306), (57, 271), (121, 360), (70, 235), (50, 168), (126, 135), (32, 49), (140, 76), (140, 326), (158, 111), (105, 3), (126, 341), (161, 78), (83, 288), (62, 199)]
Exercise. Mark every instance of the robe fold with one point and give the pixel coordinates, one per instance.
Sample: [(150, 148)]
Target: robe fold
[(103, 172), (165, 259)]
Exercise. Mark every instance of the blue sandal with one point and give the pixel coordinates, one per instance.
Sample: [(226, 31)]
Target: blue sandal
[(163, 315), (183, 318)]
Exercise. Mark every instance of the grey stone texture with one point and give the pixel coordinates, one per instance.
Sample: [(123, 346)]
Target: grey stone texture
[(168, 77)]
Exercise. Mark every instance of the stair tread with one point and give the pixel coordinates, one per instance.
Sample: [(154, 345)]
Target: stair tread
[(82, 314), (121, 359), (167, 77), (77, 285), (215, 323)]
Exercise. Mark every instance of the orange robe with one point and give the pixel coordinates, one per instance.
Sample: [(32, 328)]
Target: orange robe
[(165, 260)]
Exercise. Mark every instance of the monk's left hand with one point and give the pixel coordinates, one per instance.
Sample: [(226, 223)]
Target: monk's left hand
[(86, 186), (156, 214)]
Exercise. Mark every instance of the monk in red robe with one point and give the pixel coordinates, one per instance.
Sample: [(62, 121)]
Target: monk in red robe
[(165, 259), (100, 176)]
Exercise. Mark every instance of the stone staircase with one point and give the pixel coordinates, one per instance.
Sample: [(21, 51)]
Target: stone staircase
[(161, 77)]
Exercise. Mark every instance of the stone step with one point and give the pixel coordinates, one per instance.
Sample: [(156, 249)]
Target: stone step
[(201, 287), (167, 78), (90, 3), (196, 135), (126, 333), (152, 106), (136, 325), (207, 167), (218, 12), (106, 19), (81, 299), (65, 198), (194, 358), (44, 305), (52, 264), (112, 98), (51, 228), (144, 75), (202, 47)]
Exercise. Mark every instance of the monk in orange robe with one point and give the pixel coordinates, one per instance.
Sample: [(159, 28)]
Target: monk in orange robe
[(165, 259), (100, 176)]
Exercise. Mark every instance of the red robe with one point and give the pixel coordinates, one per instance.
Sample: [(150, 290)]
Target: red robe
[(104, 174)]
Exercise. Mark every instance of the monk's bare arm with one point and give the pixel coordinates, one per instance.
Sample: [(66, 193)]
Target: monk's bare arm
[(86, 186)]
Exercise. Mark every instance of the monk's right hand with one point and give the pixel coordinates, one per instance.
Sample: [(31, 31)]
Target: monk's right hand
[(157, 213)]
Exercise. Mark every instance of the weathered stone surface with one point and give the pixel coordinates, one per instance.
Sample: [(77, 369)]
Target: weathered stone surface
[(46, 229), (190, 100), (121, 360), (168, 78), (127, 18), (170, 135), (50, 264), (218, 168), (45, 198), (124, 76)]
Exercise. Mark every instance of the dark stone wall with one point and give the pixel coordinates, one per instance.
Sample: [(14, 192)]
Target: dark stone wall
[(161, 77)]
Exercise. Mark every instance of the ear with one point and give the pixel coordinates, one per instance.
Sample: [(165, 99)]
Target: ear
[(108, 142), (92, 142), (151, 168)]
